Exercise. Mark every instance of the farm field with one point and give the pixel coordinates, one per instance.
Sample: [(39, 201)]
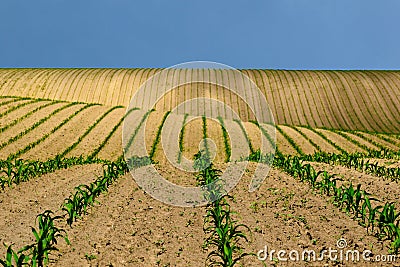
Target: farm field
[(334, 175)]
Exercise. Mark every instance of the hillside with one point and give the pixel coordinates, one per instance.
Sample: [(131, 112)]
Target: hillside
[(347, 100)]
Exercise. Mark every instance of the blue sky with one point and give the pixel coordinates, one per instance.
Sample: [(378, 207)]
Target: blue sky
[(280, 34)]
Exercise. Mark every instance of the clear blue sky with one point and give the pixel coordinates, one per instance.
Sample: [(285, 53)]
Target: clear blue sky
[(279, 34)]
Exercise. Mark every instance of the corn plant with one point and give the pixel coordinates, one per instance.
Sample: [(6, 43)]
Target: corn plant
[(369, 213), (224, 234), (13, 258), (85, 195), (226, 140), (387, 221), (46, 238), (328, 183)]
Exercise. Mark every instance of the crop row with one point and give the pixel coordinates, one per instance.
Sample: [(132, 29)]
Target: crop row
[(245, 135), (15, 99), (225, 135), (181, 136), (35, 125), (132, 137), (356, 161), (223, 232), (8, 111), (108, 137), (381, 220), (37, 254), (85, 195), (91, 127), (15, 171), (38, 141), (335, 89), (158, 136), (26, 115)]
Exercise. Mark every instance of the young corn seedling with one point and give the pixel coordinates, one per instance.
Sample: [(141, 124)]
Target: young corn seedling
[(368, 216), (224, 232), (328, 183), (387, 221), (225, 235), (13, 257), (46, 238)]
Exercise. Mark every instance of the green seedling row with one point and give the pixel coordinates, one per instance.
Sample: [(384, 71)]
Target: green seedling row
[(132, 138), (223, 232), (181, 136), (15, 171), (37, 253), (326, 139), (356, 161), (17, 107), (85, 195), (316, 146), (158, 136), (14, 122), (97, 150), (35, 143), (91, 127), (290, 140), (226, 140), (245, 135), (35, 125), (380, 220)]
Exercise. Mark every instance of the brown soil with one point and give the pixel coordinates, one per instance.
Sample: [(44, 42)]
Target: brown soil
[(113, 148), (321, 142), (341, 141), (389, 163), (20, 204), (94, 139), (66, 135), (37, 133), (20, 112), (380, 141), (6, 99), (28, 122), (283, 144), (255, 135), (152, 125), (349, 100), (303, 143), (6, 107), (286, 214), (130, 228), (392, 138), (192, 137), (361, 141), (214, 132), (381, 188)]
